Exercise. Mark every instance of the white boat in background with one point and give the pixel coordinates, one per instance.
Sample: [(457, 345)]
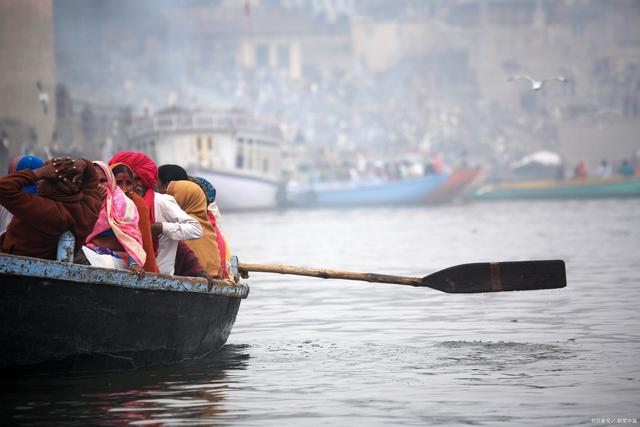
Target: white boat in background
[(239, 154)]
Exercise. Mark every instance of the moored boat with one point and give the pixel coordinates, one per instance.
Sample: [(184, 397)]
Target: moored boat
[(369, 191), (591, 188), (56, 311), (238, 152)]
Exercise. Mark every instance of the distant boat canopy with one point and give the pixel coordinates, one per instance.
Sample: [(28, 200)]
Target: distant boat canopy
[(540, 165), (542, 157)]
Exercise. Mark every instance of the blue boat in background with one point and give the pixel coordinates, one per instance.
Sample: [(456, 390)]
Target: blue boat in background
[(426, 189), (368, 191)]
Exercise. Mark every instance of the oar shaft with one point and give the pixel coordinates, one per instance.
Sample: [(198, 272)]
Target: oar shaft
[(329, 274)]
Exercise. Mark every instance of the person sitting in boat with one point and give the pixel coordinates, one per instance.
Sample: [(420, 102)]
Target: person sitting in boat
[(438, 167), (169, 223), (187, 264), (16, 164), (625, 169), (68, 199), (169, 173), (604, 169), (193, 201), (213, 213), (561, 173), (125, 180), (580, 172), (115, 241)]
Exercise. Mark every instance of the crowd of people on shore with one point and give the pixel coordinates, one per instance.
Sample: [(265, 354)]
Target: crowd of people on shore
[(127, 213)]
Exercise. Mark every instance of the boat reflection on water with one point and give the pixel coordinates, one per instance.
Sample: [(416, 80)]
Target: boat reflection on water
[(178, 393)]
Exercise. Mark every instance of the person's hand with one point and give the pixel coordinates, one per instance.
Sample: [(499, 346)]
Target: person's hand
[(138, 270), (48, 172), (62, 165), (72, 170), (70, 182), (80, 165), (66, 171), (102, 190), (210, 282), (61, 162), (210, 279), (55, 169), (156, 229)]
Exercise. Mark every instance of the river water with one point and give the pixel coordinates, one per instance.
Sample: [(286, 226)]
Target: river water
[(308, 351)]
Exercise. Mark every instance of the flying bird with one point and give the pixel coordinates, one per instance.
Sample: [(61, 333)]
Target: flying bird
[(537, 84), (43, 97)]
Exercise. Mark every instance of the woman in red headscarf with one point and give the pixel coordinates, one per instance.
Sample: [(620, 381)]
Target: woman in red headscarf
[(125, 180), (146, 175), (169, 223)]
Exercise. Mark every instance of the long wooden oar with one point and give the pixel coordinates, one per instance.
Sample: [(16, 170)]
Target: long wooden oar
[(460, 279)]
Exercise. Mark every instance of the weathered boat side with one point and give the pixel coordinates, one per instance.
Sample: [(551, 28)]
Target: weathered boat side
[(51, 310), (261, 192)]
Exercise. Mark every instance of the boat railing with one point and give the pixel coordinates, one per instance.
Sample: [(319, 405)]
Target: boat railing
[(12, 264), (201, 122)]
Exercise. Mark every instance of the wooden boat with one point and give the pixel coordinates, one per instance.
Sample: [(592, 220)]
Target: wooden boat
[(368, 191), (591, 188), (236, 150), (53, 311), (365, 192), (426, 189)]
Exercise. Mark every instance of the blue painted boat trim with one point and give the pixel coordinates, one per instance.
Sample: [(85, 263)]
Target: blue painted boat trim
[(46, 269)]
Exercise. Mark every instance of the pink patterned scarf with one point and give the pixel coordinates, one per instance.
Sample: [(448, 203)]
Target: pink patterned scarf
[(119, 214)]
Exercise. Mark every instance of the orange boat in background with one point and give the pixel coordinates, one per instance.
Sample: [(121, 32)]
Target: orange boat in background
[(455, 185)]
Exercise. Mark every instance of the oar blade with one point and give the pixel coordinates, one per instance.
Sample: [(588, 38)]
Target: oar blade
[(498, 277)]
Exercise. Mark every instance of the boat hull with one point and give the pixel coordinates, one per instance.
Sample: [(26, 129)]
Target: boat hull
[(239, 192), (600, 188), (50, 311), (381, 193)]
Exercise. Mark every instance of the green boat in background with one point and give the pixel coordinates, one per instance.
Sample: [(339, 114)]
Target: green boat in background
[(571, 189)]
